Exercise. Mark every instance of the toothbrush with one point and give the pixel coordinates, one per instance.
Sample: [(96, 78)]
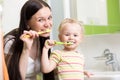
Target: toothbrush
[(59, 43), (40, 32)]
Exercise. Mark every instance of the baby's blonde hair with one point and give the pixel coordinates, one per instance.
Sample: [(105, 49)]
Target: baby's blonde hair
[(70, 20)]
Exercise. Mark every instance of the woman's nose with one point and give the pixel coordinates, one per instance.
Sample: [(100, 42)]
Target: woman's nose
[(47, 23)]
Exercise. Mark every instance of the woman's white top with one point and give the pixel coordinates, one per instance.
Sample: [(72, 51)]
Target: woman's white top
[(33, 69)]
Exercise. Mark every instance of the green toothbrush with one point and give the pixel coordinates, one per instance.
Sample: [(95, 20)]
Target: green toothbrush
[(59, 43)]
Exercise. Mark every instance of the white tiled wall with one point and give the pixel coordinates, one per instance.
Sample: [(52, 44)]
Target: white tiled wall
[(94, 46)]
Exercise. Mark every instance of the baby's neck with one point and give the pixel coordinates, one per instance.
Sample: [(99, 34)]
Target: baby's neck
[(69, 50)]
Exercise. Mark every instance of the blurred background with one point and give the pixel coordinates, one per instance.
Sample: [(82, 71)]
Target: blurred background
[(101, 19)]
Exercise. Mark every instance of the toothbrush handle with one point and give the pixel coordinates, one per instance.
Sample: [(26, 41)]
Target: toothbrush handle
[(56, 42), (27, 36), (59, 43)]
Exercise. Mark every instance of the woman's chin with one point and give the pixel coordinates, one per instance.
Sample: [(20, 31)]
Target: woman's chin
[(45, 35)]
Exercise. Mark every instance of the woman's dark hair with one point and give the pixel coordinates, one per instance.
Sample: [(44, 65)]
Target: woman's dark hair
[(27, 11)]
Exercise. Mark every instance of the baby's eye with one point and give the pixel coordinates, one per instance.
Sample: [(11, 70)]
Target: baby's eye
[(66, 34), (75, 35)]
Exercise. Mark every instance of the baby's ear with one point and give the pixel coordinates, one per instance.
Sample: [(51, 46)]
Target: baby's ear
[(59, 37), (82, 36)]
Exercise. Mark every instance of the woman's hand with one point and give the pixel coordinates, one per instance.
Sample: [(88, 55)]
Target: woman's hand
[(28, 41)]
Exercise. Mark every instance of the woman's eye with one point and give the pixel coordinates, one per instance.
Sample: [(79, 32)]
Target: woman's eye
[(40, 20), (50, 17)]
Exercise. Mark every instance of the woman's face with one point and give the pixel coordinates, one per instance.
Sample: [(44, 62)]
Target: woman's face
[(41, 21)]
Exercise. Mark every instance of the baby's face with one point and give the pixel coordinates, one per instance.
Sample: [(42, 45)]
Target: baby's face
[(71, 32)]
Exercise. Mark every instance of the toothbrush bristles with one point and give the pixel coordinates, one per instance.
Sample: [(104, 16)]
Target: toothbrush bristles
[(41, 32), (69, 43)]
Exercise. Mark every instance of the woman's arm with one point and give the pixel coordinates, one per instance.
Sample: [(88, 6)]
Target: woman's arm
[(28, 42), (47, 65), (23, 63)]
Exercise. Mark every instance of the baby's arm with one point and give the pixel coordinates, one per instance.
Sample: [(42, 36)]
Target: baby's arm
[(47, 65)]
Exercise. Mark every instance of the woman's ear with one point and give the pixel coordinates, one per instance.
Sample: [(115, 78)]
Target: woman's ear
[(28, 27)]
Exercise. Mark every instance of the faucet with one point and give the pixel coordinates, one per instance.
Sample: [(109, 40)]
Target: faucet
[(111, 59)]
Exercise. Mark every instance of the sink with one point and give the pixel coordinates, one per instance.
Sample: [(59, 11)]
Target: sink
[(104, 76)]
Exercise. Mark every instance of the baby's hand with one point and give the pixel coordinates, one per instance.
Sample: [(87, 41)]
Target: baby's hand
[(88, 74), (49, 43)]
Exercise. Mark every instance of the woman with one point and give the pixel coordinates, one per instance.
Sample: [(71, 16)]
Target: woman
[(25, 52)]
